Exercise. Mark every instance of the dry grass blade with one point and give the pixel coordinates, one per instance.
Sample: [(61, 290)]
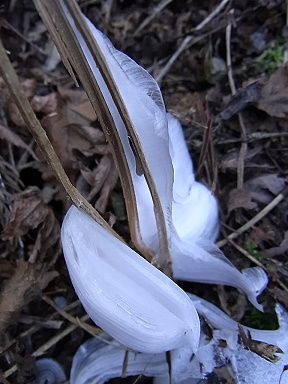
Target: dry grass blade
[(13, 138), (49, 344), (152, 15), (253, 221), (188, 39)]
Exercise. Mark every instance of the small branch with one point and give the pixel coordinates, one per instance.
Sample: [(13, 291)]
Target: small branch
[(243, 148), (247, 254), (93, 331), (188, 39), (34, 126), (253, 221), (159, 7), (49, 344)]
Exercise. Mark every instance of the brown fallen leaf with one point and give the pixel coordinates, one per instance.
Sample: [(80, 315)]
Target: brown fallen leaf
[(107, 189), (29, 212), (240, 198), (277, 251), (230, 160), (68, 129), (274, 94), (8, 135), (270, 96), (264, 350), (243, 98), (29, 88), (264, 188), (25, 285), (45, 104), (280, 295)]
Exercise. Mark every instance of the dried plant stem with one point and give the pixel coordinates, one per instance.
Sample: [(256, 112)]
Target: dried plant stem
[(49, 344), (243, 148), (188, 40), (159, 7), (38, 133), (253, 221), (164, 260), (73, 57), (92, 330)]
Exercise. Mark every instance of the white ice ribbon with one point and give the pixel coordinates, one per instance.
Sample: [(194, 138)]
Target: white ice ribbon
[(124, 294), (190, 209)]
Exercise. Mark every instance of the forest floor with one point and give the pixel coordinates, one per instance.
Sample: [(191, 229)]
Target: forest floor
[(223, 75)]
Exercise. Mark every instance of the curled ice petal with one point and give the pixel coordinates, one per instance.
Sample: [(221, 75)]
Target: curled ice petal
[(202, 261), (125, 295), (247, 367), (96, 362), (195, 223), (219, 320), (194, 208)]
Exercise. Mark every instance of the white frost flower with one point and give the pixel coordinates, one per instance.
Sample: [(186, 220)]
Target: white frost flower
[(124, 294), (190, 209), (135, 303)]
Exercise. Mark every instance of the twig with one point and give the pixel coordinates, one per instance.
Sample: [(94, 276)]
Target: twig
[(159, 7), (93, 331), (257, 262), (247, 254), (243, 148), (253, 221), (27, 113), (36, 328), (254, 136), (10, 27), (49, 344), (188, 39), (228, 54)]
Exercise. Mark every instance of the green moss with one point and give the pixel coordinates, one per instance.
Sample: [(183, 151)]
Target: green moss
[(252, 249), (256, 319), (271, 58)]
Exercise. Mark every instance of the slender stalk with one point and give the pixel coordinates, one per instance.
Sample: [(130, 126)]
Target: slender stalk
[(68, 45), (117, 98)]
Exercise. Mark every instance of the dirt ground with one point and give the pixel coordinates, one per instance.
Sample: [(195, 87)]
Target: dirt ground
[(224, 76)]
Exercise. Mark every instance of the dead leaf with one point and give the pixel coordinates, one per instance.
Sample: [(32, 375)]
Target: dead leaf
[(240, 198), (8, 135), (26, 284), (230, 160), (243, 98), (223, 375), (280, 295), (264, 188), (45, 104), (107, 189), (277, 251), (78, 102), (29, 88), (264, 350), (274, 94), (28, 213)]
